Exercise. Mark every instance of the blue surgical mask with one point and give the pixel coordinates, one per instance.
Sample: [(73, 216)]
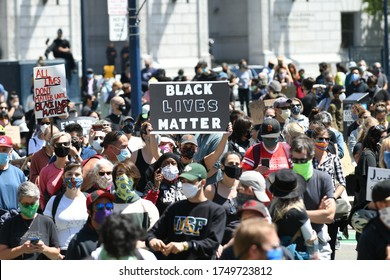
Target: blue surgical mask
[(89, 76), (355, 77), (73, 183), (4, 158), (355, 117), (386, 159), (275, 254), (124, 154)]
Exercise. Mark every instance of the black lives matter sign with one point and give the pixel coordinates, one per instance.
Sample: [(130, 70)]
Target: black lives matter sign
[(189, 107)]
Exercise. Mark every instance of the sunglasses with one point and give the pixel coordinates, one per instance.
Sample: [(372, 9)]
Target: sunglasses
[(324, 139), (101, 206), (28, 204), (98, 138), (285, 107), (43, 123), (102, 173), (62, 144), (2, 108), (300, 160), (296, 105)]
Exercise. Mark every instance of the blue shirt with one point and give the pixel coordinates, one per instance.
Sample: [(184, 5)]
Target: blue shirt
[(10, 179)]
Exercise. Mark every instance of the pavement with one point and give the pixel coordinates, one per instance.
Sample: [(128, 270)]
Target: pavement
[(347, 247)]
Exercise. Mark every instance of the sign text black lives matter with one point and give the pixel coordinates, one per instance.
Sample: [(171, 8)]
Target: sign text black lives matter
[(189, 107)]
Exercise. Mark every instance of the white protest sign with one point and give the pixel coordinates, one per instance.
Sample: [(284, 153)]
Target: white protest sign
[(50, 91), (118, 28), (374, 176)]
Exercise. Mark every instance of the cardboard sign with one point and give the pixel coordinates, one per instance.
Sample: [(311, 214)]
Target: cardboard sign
[(189, 107), (13, 132), (374, 176), (85, 122), (257, 109), (50, 91)]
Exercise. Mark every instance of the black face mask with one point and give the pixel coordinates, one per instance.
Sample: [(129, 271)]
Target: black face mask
[(122, 108), (242, 198), (95, 104), (61, 151), (76, 144), (128, 129), (233, 171), (187, 153)]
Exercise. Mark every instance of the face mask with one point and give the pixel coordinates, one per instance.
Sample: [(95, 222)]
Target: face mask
[(73, 183), (96, 145), (242, 198), (189, 190), (170, 172), (4, 158), (128, 129), (43, 128), (187, 152), (124, 154), (270, 142), (282, 75), (362, 68), (304, 169), (386, 159), (355, 77), (275, 254), (233, 171), (104, 182), (295, 110), (61, 151), (89, 76), (384, 215), (321, 145), (165, 148), (76, 144), (285, 114), (355, 117), (29, 211), (122, 108), (100, 215), (125, 188)]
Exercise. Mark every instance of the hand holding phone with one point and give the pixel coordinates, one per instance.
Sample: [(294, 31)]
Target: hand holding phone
[(265, 162), (34, 240)]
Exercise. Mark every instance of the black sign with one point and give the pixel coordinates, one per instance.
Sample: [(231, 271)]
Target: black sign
[(85, 122), (189, 107)]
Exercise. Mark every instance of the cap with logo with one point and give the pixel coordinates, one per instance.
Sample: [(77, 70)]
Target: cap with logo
[(5, 141), (189, 138), (194, 171), (270, 128)]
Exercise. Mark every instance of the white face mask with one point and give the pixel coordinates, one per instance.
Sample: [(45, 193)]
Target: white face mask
[(96, 145), (170, 172), (43, 128), (285, 114), (189, 190), (104, 182), (384, 215)]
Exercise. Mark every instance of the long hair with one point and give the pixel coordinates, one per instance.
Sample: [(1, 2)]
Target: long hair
[(279, 206), (373, 137)]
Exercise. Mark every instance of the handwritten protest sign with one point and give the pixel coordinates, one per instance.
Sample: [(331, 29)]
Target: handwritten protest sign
[(50, 91), (374, 176), (85, 122), (189, 107)]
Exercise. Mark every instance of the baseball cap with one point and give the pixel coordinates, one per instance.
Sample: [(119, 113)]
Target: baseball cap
[(92, 197), (189, 138), (281, 102), (194, 171), (381, 191), (145, 111), (256, 206), (89, 70), (5, 141), (270, 128), (255, 180), (275, 86), (352, 64)]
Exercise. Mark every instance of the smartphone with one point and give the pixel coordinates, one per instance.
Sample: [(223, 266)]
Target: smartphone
[(34, 240), (265, 162), (97, 127)]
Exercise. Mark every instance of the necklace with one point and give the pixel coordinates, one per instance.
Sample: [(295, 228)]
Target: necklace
[(28, 225)]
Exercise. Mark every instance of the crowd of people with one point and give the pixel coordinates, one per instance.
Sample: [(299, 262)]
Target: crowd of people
[(268, 189)]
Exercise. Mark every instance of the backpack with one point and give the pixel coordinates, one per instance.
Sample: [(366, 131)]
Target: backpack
[(256, 153)]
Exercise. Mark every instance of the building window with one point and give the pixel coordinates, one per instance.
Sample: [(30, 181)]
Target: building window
[(347, 30)]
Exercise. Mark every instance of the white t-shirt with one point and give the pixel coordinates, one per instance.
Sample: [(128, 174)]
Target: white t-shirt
[(70, 217)]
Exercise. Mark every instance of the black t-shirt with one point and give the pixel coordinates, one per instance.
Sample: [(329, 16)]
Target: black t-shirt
[(17, 230), (309, 102), (381, 96)]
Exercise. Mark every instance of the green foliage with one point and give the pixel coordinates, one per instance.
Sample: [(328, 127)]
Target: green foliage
[(374, 7)]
